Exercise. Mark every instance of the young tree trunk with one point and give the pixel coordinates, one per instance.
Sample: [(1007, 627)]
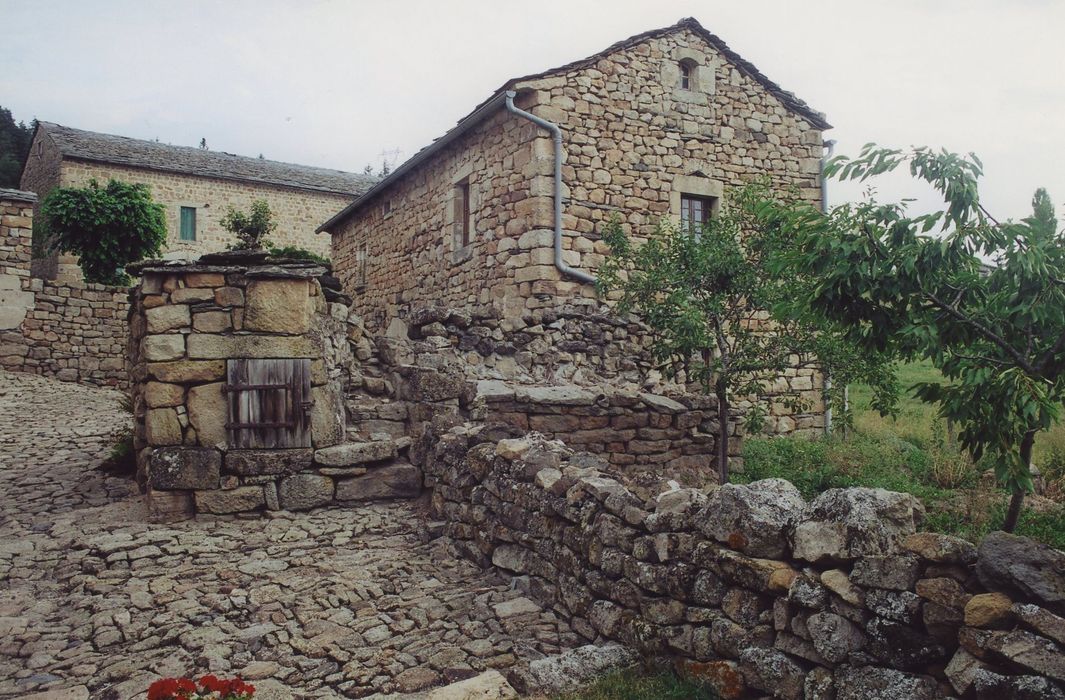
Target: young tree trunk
[(721, 389), (1017, 499)]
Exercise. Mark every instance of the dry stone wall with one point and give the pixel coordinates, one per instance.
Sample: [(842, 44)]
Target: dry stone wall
[(69, 330), (751, 587)]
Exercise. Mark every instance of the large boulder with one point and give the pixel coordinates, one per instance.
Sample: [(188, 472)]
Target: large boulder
[(874, 683), (988, 685), (1019, 565), (844, 524), (752, 518), (572, 668)]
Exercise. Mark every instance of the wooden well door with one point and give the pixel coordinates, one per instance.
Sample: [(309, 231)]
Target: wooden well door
[(269, 403)]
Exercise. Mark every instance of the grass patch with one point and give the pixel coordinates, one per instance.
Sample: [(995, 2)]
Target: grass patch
[(912, 454), (634, 684)]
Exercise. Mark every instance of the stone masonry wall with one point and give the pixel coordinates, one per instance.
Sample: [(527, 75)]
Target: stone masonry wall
[(297, 212), (749, 586), (633, 142), (69, 330), (188, 323)]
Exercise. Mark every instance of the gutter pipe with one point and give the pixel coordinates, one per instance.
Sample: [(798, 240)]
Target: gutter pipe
[(830, 147), (556, 134)]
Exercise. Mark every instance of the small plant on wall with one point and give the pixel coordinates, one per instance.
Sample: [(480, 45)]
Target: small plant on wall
[(106, 227), (251, 229)]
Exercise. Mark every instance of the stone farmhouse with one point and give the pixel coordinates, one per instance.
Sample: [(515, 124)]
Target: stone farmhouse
[(195, 185), (502, 215)]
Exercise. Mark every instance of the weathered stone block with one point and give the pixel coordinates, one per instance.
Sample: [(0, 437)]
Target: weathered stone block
[(169, 506), (941, 549), (304, 491), (327, 417), (168, 318), (278, 306), (160, 395), (204, 279), (206, 346), (1020, 565), (989, 611), (212, 321), (355, 453), (162, 427), (874, 683), (393, 481), (265, 462), (753, 518), (207, 407), (187, 371), (171, 468), (843, 524), (191, 295), (160, 348), (229, 296), (240, 499)]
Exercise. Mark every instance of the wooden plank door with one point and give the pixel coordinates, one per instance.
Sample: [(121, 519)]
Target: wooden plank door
[(269, 403)]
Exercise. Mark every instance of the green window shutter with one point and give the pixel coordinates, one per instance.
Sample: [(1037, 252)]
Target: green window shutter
[(188, 223)]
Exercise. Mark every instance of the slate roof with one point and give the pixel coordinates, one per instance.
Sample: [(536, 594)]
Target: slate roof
[(481, 111), (92, 146)]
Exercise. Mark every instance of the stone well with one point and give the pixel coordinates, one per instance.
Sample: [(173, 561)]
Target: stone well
[(237, 367)]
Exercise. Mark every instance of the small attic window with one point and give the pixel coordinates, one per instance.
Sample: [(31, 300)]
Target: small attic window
[(687, 74)]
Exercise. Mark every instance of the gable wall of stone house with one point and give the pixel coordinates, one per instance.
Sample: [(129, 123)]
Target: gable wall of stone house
[(413, 256), (633, 142)]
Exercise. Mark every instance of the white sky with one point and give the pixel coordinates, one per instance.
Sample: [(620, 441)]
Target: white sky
[(335, 83)]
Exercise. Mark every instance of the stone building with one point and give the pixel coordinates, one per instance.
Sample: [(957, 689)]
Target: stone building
[(195, 185), (662, 124)]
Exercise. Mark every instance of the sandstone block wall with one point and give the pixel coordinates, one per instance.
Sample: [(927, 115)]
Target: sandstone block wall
[(297, 212), (634, 141), (69, 330), (749, 586), (188, 321)]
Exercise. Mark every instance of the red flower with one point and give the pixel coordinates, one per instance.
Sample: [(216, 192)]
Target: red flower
[(171, 689)]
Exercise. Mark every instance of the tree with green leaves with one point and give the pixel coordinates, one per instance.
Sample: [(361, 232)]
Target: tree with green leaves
[(106, 227), (15, 140), (982, 299), (251, 229), (718, 311)]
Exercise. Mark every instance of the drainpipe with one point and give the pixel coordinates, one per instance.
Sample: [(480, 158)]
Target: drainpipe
[(556, 134), (830, 147)]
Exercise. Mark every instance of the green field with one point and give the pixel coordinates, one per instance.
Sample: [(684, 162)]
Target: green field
[(913, 453)]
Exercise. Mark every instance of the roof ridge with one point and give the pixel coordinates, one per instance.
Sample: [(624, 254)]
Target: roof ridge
[(196, 149)]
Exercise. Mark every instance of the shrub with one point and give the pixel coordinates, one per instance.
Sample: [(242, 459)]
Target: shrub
[(297, 253), (106, 227), (250, 229)]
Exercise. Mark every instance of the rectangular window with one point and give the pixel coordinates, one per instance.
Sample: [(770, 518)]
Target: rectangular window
[(188, 223), (360, 266), (695, 210), (462, 213)]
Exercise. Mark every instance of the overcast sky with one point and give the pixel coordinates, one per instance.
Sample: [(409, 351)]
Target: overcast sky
[(336, 83)]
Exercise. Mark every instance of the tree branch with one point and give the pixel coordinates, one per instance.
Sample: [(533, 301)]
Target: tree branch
[(995, 338)]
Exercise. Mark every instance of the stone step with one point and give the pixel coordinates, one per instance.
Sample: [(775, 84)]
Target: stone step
[(351, 454), (397, 479)]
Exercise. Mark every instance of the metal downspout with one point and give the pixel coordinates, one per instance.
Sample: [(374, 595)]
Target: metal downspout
[(556, 134), (830, 147)]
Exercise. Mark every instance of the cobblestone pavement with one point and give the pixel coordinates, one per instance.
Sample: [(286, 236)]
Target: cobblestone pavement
[(334, 603)]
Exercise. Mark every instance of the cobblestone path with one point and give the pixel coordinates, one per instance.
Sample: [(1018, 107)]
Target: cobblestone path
[(97, 603)]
